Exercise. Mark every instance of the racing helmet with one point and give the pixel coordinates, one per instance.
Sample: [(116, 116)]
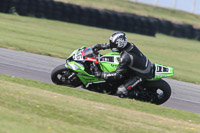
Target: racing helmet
[(118, 41)]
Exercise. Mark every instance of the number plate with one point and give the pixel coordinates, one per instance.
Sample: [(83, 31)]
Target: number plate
[(78, 56)]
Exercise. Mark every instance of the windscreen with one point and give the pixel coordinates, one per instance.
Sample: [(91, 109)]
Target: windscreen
[(89, 52)]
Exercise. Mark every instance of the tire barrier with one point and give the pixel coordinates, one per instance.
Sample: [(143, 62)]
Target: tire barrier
[(51, 9), (4, 6), (197, 34)]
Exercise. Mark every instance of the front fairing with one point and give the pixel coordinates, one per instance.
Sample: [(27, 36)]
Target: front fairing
[(81, 73), (77, 67)]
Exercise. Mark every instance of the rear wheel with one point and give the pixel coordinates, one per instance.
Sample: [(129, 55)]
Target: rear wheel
[(64, 76), (159, 91)]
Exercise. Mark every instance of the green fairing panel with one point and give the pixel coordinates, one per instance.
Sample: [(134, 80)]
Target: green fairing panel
[(162, 71), (88, 79), (109, 62), (82, 74), (77, 67)]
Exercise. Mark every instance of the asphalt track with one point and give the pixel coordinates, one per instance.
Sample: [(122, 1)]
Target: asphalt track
[(185, 96)]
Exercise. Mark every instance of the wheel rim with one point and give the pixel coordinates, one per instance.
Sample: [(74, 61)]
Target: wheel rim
[(61, 77), (156, 94), (160, 94)]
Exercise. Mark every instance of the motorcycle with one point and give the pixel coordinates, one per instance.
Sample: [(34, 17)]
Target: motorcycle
[(79, 71)]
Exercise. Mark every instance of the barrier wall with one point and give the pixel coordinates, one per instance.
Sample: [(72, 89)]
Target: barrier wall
[(99, 18)]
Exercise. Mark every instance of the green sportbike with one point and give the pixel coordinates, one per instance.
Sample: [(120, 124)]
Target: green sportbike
[(79, 71)]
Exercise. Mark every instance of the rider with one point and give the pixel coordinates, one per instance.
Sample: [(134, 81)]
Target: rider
[(131, 58)]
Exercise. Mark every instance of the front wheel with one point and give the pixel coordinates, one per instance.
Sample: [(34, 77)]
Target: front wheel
[(64, 76), (160, 91)]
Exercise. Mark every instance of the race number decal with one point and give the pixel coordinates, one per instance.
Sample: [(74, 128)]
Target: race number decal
[(162, 69), (78, 56)]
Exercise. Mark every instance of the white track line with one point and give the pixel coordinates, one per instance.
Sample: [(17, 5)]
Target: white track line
[(197, 102)]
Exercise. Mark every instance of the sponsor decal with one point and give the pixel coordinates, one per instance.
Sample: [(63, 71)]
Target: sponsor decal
[(112, 65), (91, 59), (138, 81)]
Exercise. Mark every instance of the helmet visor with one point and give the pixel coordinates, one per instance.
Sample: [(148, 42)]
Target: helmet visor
[(113, 47)]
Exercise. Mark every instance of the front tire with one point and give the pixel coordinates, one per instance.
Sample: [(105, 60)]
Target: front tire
[(159, 90), (60, 76)]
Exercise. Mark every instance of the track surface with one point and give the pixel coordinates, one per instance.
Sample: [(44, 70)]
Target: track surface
[(185, 96)]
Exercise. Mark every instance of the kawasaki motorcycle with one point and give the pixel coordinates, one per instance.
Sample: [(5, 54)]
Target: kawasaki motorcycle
[(79, 71)]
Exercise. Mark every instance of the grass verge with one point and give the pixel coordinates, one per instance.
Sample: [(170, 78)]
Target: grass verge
[(31, 106)]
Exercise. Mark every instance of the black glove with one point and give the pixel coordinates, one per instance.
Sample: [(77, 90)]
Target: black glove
[(97, 47)]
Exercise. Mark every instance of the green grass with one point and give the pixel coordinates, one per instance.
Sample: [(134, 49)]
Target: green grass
[(31, 106), (140, 9), (59, 39)]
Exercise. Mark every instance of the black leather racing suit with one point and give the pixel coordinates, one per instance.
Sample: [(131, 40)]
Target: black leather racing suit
[(131, 58)]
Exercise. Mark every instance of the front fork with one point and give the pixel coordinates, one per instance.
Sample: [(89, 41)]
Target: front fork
[(70, 78)]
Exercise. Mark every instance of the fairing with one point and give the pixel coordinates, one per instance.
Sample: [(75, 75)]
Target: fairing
[(108, 63), (81, 73)]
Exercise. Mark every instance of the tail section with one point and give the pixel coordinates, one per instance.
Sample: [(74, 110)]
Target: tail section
[(162, 71)]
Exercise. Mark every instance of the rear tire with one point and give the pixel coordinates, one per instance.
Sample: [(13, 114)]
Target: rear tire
[(155, 87)]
